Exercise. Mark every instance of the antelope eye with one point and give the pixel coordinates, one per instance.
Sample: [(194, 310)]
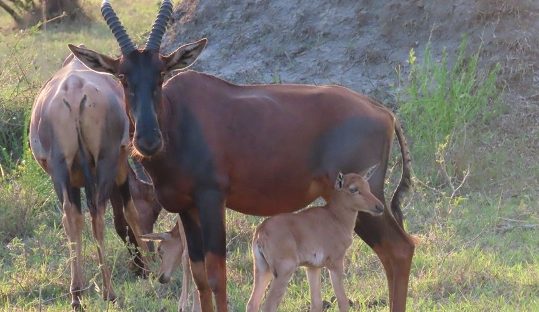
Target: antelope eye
[(121, 76), (353, 189)]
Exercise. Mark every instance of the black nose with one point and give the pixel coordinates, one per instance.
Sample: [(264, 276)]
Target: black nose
[(148, 145), (379, 209)]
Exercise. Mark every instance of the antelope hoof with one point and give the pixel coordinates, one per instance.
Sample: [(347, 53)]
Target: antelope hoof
[(109, 296)]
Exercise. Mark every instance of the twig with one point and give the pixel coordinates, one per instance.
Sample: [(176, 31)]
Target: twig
[(43, 24), (456, 189)]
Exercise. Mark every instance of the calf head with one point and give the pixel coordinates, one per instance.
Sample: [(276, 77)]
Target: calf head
[(170, 249), (352, 191)]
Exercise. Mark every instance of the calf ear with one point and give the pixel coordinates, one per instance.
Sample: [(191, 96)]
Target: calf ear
[(339, 182), (185, 55), (156, 236), (370, 172), (95, 61)]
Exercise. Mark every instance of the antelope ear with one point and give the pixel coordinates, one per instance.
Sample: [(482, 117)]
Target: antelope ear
[(370, 172), (185, 55), (140, 173), (156, 237), (339, 182), (95, 61)]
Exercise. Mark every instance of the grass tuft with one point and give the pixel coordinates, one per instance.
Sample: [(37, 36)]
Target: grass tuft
[(441, 100)]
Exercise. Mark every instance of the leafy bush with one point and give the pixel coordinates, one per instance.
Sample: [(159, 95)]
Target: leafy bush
[(440, 100)]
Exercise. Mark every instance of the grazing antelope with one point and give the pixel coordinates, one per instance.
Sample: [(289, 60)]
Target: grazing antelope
[(315, 238), (258, 149), (148, 209), (79, 136), (172, 249)]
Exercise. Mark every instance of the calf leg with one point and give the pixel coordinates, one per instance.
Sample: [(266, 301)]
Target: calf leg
[(336, 274), (282, 275), (313, 275), (193, 235), (186, 280), (262, 277)]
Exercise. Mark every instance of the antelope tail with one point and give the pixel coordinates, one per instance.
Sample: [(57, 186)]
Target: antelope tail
[(406, 178), (84, 160)]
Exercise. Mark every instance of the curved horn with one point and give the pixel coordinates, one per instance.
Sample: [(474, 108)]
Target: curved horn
[(126, 45), (159, 27)]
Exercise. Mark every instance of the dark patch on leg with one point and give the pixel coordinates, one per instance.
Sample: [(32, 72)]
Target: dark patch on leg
[(210, 205), (193, 235), (75, 196)]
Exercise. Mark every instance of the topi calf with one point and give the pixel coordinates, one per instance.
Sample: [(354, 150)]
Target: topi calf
[(315, 238), (172, 249)]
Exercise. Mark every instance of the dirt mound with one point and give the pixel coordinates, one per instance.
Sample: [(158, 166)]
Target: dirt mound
[(353, 43)]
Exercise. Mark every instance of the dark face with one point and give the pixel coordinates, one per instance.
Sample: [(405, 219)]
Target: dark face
[(141, 75)]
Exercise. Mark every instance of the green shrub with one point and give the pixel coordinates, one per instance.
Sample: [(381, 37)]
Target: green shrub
[(439, 100)]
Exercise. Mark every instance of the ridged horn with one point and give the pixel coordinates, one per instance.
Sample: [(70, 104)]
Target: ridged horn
[(126, 45), (159, 27)]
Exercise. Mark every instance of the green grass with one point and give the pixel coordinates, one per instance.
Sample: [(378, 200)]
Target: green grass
[(473, 255), (463, 263), (440, 102)]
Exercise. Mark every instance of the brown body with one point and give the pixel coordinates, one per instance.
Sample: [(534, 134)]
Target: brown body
[(315, 238), (260, 150), (264, 150), (79, 136)]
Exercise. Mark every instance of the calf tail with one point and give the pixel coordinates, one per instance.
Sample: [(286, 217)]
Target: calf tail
[(259, 260), (406, 178)]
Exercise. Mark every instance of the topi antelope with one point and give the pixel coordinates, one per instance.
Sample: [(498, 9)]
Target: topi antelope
[(79, 136), (258, 149)]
